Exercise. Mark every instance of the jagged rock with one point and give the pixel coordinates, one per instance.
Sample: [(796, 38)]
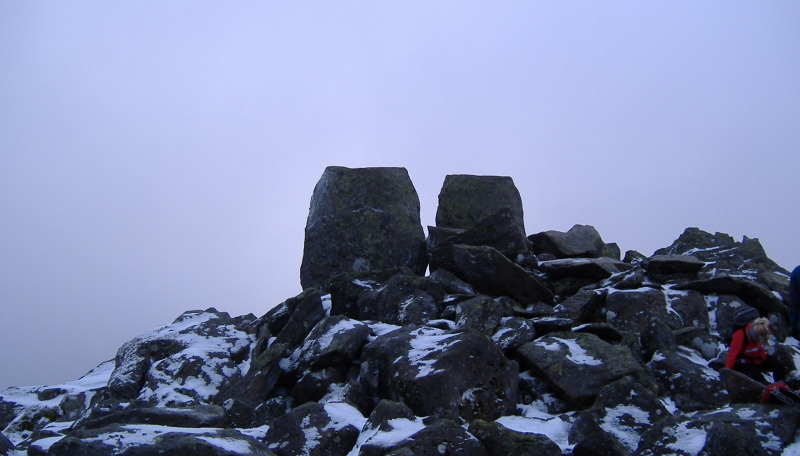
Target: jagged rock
[(691, 384), (139, 441), (581, 306), (166, 365), (579, 365), (757, 429), (614, 423), (310, 430), (441, 373), (464, 200), (512, 333), (334, 341), (451, 283), (581, 241), (404, 299), (482, 314), (501, 441), (657, 337), (362, 220), (442, 437), (753, 293), (602, 330), (499, 230), (488, 271), (346, 288), (314, 385)]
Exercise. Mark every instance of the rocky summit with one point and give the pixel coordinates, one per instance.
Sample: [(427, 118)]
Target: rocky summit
[(552, 343)]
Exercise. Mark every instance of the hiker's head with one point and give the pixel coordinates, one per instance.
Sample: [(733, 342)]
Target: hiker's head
[(760, 328)]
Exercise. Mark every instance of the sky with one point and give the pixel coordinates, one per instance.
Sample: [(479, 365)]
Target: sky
[(158, 157)]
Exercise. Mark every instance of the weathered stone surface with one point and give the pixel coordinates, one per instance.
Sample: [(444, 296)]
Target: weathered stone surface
[(441, 373), (482, 314), (633, 310), (740, 387), (5, 444), (309, 430), (579, 365), (188, 417), (501, 441), (361, 220), (593, 269), (500, 231), (581, 241), (690, 383), (334, 341), (464, 200), (753, 293), (135, 441), (488, 271), (404, 299), (442, 437), (582, 306)]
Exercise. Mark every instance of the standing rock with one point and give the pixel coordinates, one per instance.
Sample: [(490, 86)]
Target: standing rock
[(362, 220), (465, 200)]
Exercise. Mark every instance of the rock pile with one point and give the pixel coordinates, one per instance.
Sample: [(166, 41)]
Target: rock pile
[(548, 344)]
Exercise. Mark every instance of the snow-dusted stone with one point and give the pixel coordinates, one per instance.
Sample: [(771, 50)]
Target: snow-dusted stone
[(501, 441), (581, 241), (186, 362), (404, 299), (442, 437), (740, 387), (622, 412), (512, 333), (673, 264), (362, 220), (753, 429), (147, 440), (579, 365), (489, 272), (464, 200), (436, 372), (686, 377), (499, 230), (752, 293), (482, 313), (334, 341), (186, 417), (593, 269), (633, 310), (311, 430)]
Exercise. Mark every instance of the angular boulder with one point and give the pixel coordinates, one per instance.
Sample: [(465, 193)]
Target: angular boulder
[(690, 382), (490, 272), (310, 430), (435, 372), (499, 230), (464, 200), (362, 220), (581, 241), (578, 364)]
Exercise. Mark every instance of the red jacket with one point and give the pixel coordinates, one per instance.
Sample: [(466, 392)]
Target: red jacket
[(749, 350)]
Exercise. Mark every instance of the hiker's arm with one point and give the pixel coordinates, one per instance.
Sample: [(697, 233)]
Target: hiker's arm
[(737, 344)]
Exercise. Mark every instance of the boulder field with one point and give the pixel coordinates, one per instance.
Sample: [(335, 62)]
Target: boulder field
[(476, 339)]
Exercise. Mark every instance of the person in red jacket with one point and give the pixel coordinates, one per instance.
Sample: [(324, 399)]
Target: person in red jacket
[(747, 354)]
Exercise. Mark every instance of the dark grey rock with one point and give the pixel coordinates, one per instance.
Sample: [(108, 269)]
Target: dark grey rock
[(579, 365), (581, 241), (501, 441), (593, 269), (482, 314), (489, 272), (309, 430), (499, 230), (362, 220), (5, 444), (442, 437), (441, 373), (582, 306), (404, 299), (464, 200), (512, 333), (673, 264), (633, 310), (188, 417), (740, 387), (685, 377), (753, 293), (334, 341)]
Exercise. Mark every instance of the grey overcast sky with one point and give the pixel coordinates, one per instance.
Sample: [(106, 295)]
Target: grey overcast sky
[(157, 157)]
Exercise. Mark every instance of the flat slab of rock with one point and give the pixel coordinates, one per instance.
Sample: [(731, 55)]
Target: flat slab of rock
[(362, 220)]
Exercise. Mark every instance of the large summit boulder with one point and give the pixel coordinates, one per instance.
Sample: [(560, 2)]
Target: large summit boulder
[(465, 200), (362, 220)]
